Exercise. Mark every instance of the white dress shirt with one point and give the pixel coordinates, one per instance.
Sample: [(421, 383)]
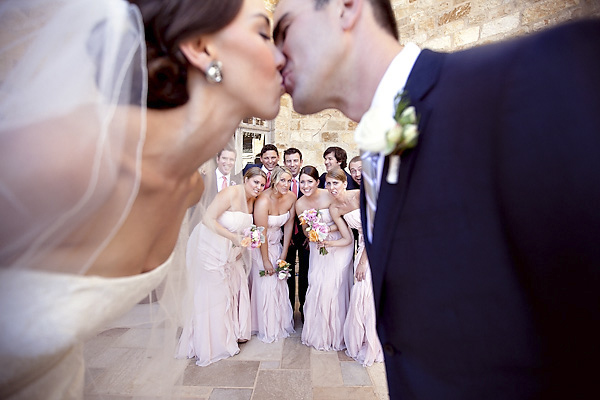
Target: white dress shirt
[(220, 179), (297, 186), (391, 84)]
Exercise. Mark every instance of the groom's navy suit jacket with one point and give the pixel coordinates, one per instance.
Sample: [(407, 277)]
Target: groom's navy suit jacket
[(486, 254)]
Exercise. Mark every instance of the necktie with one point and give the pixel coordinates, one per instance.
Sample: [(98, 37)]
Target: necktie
[(369, 177), (295, 190), (224, 184), (268, 180)]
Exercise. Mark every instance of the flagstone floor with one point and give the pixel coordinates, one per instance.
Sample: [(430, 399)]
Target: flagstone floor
[(286, 369)]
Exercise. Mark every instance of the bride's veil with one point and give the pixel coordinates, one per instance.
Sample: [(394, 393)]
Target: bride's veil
[(72, 128), (72, 125)]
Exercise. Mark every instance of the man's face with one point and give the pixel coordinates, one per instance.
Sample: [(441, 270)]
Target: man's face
[(269, 159), (293, 162), (312, 44), (356, 171), (331, 161), (226, 161)]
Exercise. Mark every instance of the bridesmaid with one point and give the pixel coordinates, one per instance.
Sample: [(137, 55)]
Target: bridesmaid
[(220, 314), (360, 334), (329, 276), (272, 313)]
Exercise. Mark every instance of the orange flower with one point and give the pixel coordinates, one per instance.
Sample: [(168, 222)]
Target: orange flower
[(246, 241), (313, 236)]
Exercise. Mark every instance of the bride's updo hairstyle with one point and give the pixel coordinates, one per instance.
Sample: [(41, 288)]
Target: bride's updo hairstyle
[(310, 171), (338, 174), (166, 24)]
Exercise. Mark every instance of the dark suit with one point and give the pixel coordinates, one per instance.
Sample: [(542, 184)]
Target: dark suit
[(248, 166), (485, 255), (351, 182), (297, 248)]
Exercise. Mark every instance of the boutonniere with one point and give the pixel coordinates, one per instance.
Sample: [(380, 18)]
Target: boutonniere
[(378, 132)]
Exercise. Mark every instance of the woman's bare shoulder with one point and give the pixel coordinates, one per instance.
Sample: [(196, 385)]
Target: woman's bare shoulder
[(291, 199), (263, 200), (325, 198)]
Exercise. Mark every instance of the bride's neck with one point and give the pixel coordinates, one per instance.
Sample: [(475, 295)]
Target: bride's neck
[(182, 138)]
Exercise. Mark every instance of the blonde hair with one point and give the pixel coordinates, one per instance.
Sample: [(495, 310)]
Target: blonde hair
[(276, 175)]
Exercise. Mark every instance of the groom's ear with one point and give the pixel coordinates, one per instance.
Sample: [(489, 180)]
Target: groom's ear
[(350, 12), (197, 51)]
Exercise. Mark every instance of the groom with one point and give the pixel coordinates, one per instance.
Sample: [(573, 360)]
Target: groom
[(484, 242)]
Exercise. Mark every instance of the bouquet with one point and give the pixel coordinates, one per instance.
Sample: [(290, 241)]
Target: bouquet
[(283, 270), (317, 229), (253, 237)]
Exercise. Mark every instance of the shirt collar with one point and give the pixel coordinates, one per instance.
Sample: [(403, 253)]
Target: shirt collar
[(220, 175), (395, 78)]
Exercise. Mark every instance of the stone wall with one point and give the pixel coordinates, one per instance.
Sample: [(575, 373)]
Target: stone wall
[(436, 24)]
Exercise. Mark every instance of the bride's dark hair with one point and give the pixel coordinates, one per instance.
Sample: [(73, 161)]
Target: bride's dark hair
[(166, 24)]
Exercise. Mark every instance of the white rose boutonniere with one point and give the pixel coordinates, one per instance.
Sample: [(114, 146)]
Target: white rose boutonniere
[(370, 134), (378, 132)]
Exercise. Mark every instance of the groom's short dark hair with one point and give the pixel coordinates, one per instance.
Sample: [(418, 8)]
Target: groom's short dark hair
[(383, 11)]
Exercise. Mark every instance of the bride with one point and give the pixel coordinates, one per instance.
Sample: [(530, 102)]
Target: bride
[(107, 109)]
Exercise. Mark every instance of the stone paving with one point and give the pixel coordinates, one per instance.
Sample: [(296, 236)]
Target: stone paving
[(286, 369)]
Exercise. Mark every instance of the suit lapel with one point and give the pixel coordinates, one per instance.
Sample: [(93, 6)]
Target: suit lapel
[(391, 197)]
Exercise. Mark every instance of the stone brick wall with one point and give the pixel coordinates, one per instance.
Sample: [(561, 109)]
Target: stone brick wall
[(445, 25)]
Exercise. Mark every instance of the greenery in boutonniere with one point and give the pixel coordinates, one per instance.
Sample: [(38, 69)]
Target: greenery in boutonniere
[(379, 132)]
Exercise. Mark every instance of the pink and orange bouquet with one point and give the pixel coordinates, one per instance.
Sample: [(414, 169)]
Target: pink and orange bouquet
[(283, 270), (316, 228), (253, 237)]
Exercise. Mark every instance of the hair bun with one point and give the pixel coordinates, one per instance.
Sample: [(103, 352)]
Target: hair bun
[(167, 80)]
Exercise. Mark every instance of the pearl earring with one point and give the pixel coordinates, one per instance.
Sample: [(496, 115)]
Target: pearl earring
[(213, 72)]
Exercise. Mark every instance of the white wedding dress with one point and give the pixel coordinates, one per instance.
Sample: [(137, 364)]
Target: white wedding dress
[(44, 319), (73, 89)]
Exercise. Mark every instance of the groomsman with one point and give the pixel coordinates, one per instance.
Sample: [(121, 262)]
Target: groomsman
[(269, 158), (292, 158), (336, 157), (221, 177), (225, 163), (355, 167), (482, 234)]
